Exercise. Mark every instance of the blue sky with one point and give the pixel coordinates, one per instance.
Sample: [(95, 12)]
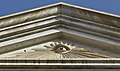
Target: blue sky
[(12, 6)]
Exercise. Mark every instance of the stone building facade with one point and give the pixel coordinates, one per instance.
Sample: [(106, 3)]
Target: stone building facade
[(60, 36)]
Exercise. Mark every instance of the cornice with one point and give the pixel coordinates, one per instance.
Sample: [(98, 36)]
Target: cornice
[(68, 27), (64, 21), (60, 21), (88, 63), (63, 9), (69, 21), (27, 17)]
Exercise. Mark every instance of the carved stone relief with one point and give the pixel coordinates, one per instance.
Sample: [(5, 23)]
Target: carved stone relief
[(55, 50)]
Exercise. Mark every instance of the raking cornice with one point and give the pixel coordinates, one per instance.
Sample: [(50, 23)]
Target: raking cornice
[(88, 32), (63, 20), (60, 21), (63, 9)]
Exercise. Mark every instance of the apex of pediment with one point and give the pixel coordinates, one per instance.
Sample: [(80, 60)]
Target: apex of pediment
[(60, 8)]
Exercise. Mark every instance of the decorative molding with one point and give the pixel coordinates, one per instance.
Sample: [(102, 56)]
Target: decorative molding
[(100, 34), (80, 63), (64, 9), (61, 21), (26, 17)]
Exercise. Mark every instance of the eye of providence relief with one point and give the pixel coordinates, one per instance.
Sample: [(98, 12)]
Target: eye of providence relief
[(56, 50)]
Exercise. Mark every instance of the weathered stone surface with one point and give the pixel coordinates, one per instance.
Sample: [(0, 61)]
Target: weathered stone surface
[(64, 35)]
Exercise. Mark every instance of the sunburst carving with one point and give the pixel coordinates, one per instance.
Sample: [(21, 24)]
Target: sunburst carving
[(60, 47), (68, 51), (55, 50)]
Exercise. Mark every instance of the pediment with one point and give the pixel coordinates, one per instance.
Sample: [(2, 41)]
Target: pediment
[(61, 33)]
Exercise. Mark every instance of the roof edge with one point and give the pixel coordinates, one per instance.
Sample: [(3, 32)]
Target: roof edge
[(31, 10), (60, 8), (60, 3)]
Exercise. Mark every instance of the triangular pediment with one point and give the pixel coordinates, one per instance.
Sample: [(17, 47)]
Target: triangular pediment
[(60, 36), (60, 21)]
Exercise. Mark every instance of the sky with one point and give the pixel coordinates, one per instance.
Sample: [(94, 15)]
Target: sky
[(13, 6)]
